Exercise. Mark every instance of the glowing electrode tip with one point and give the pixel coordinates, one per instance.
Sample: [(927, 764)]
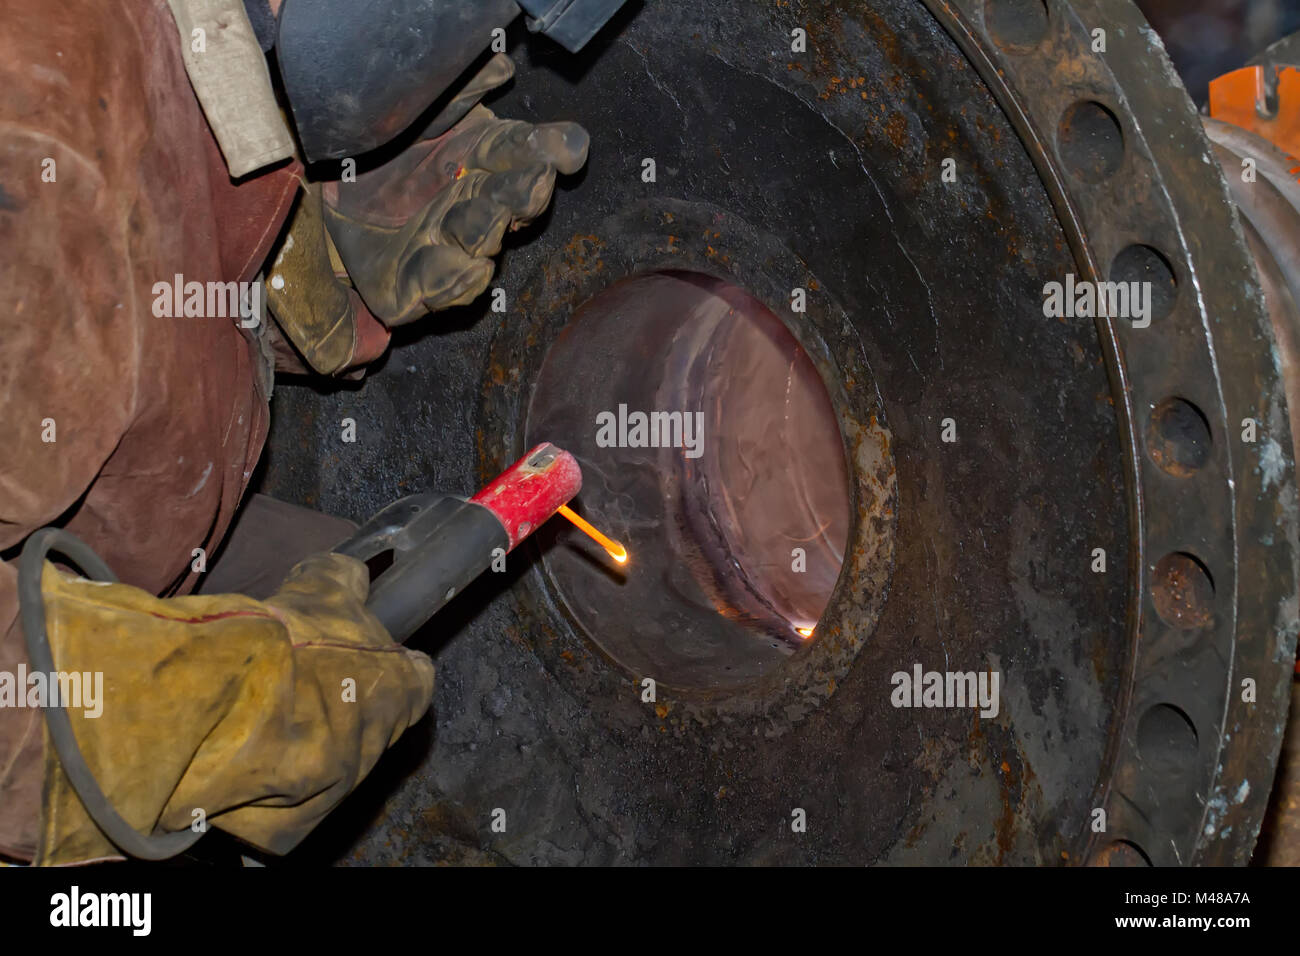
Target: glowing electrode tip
[(612, 547)]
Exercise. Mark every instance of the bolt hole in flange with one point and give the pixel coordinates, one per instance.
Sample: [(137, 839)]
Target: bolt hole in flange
[(1017, 26), (1120, 853), (1183, 592), (1090, 142), (736, 524), (1167, 740), (1179, 440), (1143, 264)]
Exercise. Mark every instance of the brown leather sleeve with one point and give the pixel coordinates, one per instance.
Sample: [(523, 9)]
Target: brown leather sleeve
[(69, 366), (158, 420)]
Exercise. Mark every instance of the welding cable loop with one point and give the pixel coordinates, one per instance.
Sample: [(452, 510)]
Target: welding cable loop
[(31, 604)]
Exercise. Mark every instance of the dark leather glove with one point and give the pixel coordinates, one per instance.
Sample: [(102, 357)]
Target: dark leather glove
[(417, 234)]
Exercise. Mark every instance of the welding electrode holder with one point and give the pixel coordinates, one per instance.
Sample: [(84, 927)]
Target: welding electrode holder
[(440, 543)]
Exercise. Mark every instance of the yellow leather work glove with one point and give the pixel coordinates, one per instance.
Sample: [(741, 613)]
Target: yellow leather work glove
[(257, 717)]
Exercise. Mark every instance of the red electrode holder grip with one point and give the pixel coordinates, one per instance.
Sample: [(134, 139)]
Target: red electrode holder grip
[(441, 543), (531, 490)]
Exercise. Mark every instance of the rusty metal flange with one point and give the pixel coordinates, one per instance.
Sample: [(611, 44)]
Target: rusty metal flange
[(823, 166), (1122, 153)]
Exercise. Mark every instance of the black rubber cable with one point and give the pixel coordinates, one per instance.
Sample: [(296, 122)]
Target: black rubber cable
[(32, 611)]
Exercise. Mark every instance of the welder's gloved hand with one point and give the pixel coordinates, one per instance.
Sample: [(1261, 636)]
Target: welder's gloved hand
[(314, 306), (417, 234), (263, 715)]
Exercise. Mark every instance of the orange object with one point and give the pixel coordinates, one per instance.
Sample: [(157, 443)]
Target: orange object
[(614, 549), (1238, 97)]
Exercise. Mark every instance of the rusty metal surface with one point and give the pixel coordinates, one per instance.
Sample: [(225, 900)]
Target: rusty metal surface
[(820, 171), (1279, 838), (1269, 207), (1194, 760)]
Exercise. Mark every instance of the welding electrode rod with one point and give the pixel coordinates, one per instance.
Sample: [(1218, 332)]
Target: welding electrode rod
[(616, 550)]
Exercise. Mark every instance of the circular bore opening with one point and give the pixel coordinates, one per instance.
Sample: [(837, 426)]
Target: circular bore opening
[(1091, 142), (1147, 280), (1183, 592), (1120, 853), (711, 450), (1166, 740), (1178, 438), (1017, 26)]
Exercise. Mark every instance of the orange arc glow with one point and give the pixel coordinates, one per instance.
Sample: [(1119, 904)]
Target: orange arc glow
[(612, 547), (805, 631)]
